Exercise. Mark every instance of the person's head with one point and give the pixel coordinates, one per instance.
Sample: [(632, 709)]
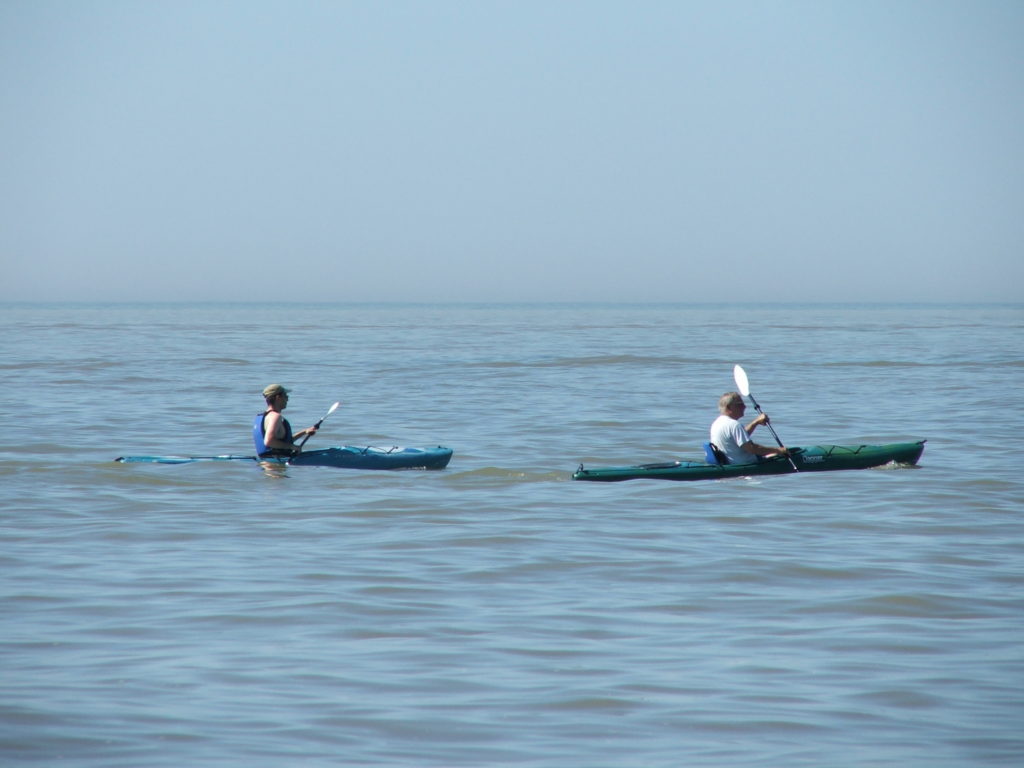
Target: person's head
[(731, 403), (275, 393)]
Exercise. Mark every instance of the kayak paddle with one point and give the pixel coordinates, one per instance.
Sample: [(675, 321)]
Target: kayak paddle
[(317, 425), (744, 387)]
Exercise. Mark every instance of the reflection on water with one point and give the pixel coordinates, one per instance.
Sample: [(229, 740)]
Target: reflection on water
[(274, 469)]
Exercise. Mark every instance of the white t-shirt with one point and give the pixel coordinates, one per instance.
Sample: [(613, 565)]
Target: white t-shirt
[(729, 435)]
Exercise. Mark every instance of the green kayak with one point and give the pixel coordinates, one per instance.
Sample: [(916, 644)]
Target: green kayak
[(818, 458)]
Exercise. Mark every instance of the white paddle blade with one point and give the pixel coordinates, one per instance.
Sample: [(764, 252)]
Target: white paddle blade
[(741, 380), (332, 410)]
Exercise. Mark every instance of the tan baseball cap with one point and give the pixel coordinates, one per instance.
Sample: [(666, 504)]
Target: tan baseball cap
[(274, 390)]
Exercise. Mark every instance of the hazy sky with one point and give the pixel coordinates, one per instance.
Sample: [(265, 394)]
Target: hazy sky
[(512, 151)]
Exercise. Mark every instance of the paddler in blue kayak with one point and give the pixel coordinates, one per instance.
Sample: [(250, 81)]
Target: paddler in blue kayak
[(733, 439), (271, 431)]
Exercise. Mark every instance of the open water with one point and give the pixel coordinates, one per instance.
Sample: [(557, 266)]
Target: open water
[(497, 613)]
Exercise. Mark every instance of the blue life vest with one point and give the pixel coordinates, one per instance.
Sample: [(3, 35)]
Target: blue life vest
[(258, 434)]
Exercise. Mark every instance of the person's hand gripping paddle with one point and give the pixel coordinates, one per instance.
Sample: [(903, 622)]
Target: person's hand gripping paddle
[(317, 425), (743, 385)]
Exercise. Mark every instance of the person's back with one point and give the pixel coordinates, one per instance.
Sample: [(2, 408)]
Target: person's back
[(259, 433), (271, 432), (729, 436), (732, 438)]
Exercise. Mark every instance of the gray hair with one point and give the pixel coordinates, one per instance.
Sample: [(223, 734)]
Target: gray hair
[(728, 399)]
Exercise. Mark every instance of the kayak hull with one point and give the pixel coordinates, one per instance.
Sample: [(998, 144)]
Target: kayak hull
[(818, 458), (341, 457), (372, 457)]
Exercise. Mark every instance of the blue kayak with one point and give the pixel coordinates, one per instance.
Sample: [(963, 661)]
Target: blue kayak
[(344, 457)]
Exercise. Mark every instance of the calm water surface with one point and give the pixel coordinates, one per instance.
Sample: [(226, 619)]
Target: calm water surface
[(497, 613)]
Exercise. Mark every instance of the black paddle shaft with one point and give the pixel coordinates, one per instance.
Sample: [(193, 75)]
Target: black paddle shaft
[(772, 430), (317, 425), (308, 435)]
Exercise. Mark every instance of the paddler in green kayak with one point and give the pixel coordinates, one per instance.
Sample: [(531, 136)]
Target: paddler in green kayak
[(271, 431), (733, 439)]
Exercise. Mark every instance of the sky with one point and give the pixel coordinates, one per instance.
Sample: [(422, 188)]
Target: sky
[(512, 151)]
